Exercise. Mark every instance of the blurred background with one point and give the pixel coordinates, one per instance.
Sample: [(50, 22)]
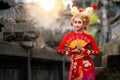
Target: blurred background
[(31, 30)]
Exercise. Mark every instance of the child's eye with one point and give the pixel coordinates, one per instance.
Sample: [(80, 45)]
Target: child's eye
[(79, 22), (75, 21)]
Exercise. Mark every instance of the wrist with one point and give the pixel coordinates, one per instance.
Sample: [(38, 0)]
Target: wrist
[(68, 52), (81, 50), (88, 52)]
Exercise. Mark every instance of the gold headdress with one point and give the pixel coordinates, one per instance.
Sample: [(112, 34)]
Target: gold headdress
[(83, 14)]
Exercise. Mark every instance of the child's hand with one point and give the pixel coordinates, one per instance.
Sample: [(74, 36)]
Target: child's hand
[(76, 50)]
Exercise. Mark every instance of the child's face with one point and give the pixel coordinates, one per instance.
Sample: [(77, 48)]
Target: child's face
[(78, 24)]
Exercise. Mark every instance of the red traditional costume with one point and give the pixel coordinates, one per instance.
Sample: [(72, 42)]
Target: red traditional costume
[(81, 64)]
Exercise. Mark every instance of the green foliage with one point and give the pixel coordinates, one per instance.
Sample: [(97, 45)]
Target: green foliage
[(94, 18)]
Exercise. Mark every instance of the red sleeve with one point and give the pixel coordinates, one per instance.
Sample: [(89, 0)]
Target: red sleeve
[(95, 50), (61, 49)]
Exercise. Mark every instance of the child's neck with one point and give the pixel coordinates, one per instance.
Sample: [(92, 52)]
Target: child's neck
[(80, 31)]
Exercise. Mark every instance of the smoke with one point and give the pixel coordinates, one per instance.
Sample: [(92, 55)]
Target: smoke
[(44, 19)]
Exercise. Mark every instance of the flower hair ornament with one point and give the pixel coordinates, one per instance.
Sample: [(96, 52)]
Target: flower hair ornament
[(84, 14)]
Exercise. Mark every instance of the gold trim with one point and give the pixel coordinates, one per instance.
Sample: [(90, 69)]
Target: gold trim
[(79, 56)]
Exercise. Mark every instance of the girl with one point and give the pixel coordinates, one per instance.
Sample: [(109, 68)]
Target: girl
[(75, 44)]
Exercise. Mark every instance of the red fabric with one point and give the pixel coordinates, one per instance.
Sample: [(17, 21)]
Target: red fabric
[(80, 66)]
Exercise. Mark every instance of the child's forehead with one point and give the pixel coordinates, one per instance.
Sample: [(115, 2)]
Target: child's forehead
[(77, 18)]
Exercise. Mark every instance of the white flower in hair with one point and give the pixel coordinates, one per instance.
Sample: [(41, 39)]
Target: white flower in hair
[(89, 11), (74, 9)]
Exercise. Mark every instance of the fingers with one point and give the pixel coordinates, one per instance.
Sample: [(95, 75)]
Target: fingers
[(76, 51)]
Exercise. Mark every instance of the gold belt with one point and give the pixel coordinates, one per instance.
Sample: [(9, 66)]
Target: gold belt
[(78, 56)]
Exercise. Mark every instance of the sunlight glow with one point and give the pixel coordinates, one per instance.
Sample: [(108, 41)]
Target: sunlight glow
[(47, 4)]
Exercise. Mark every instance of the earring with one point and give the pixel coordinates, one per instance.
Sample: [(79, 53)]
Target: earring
[(85, 27), (71, 24)]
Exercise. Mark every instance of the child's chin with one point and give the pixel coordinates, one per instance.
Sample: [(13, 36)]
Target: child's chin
[(78, 29)]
